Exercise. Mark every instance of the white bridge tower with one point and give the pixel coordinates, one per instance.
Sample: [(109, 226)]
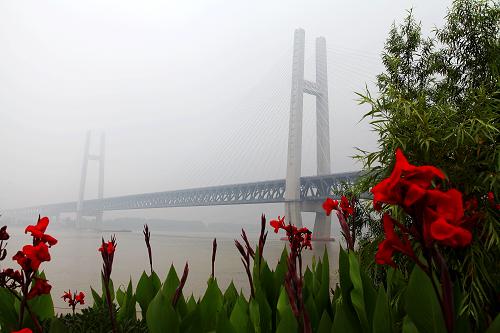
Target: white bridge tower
[(100, 189), (293, 205)]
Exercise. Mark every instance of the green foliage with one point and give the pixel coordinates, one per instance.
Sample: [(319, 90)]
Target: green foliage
[(439, 100)]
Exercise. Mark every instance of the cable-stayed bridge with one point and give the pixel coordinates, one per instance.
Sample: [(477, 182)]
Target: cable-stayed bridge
[(299, 194)]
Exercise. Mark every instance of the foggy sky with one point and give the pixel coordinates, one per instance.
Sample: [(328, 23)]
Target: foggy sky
[(189, 93)]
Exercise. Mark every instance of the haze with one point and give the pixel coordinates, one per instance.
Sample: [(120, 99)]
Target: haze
[(189, 93)]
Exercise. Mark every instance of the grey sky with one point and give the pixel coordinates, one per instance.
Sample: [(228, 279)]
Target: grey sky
[(189, 93)]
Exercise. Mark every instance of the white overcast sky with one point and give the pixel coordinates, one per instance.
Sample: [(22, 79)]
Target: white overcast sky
[(189, 93)]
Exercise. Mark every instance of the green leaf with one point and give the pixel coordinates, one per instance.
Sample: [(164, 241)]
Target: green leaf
[(265, 312), (409, 326), (8, 315), (286, 322), (230, 297), (191, 304), (120, 295), (495, 325), (239, 316), (42, 306), (345, 319), (210, 304), (127, 309), (312, 311), (357, 293), (161, 316), (57, 326), (422, 304), (325, 324), (111, 290), (344, 276), (192, 322), (255, 315), (322, 297), (98, 301), (382, 317), (171, 283), (279, 273), (223, 324), (145, 292)]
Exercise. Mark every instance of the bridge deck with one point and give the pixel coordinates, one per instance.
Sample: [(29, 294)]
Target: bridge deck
[(315, 188)]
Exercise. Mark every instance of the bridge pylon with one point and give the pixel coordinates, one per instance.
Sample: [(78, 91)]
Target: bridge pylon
[(319, 89), (80, 209)]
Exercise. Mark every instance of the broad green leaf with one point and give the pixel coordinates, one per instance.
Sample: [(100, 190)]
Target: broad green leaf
[(279, 273), (42, 306), (344, 276), (191, 304), (161, 316), (111, 290), (495, 325), (145, 292), (156, 281), (265, 312), (255, 315), (286, 321), (345, 319), (98, 301), (223, 324), (57, 326), (422, 304), (357, 293), (230, 297), (239, 316), (120, 295), (409, 326), (325, 324), (323, 296), (8, 315), (313, 312), (381, 316), (192, 323), (171, 283), (210, 304), (267, 282), (127, 308)]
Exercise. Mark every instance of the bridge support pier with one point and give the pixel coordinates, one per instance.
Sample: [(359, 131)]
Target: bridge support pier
[(80, 209), (319, 89)]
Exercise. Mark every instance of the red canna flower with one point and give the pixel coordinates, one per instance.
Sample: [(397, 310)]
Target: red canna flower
[(80, 298), (443, 215), (392, 243), (278, 224), (406, 184), (40, 287), (38, 231), (330, 205), (109, 248), (24, 330), (346, 207), (67, 295), (31, 256)]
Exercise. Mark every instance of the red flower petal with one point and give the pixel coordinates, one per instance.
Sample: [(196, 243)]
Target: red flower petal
[(449, 234)]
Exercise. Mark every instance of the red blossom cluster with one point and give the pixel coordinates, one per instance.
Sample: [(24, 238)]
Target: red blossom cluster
[(346, 208), (298, 238), (27, 280), (437, 214), (73, 299), (344, 211)]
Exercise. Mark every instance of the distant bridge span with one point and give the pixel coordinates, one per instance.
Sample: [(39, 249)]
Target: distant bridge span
[(313, 190)]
